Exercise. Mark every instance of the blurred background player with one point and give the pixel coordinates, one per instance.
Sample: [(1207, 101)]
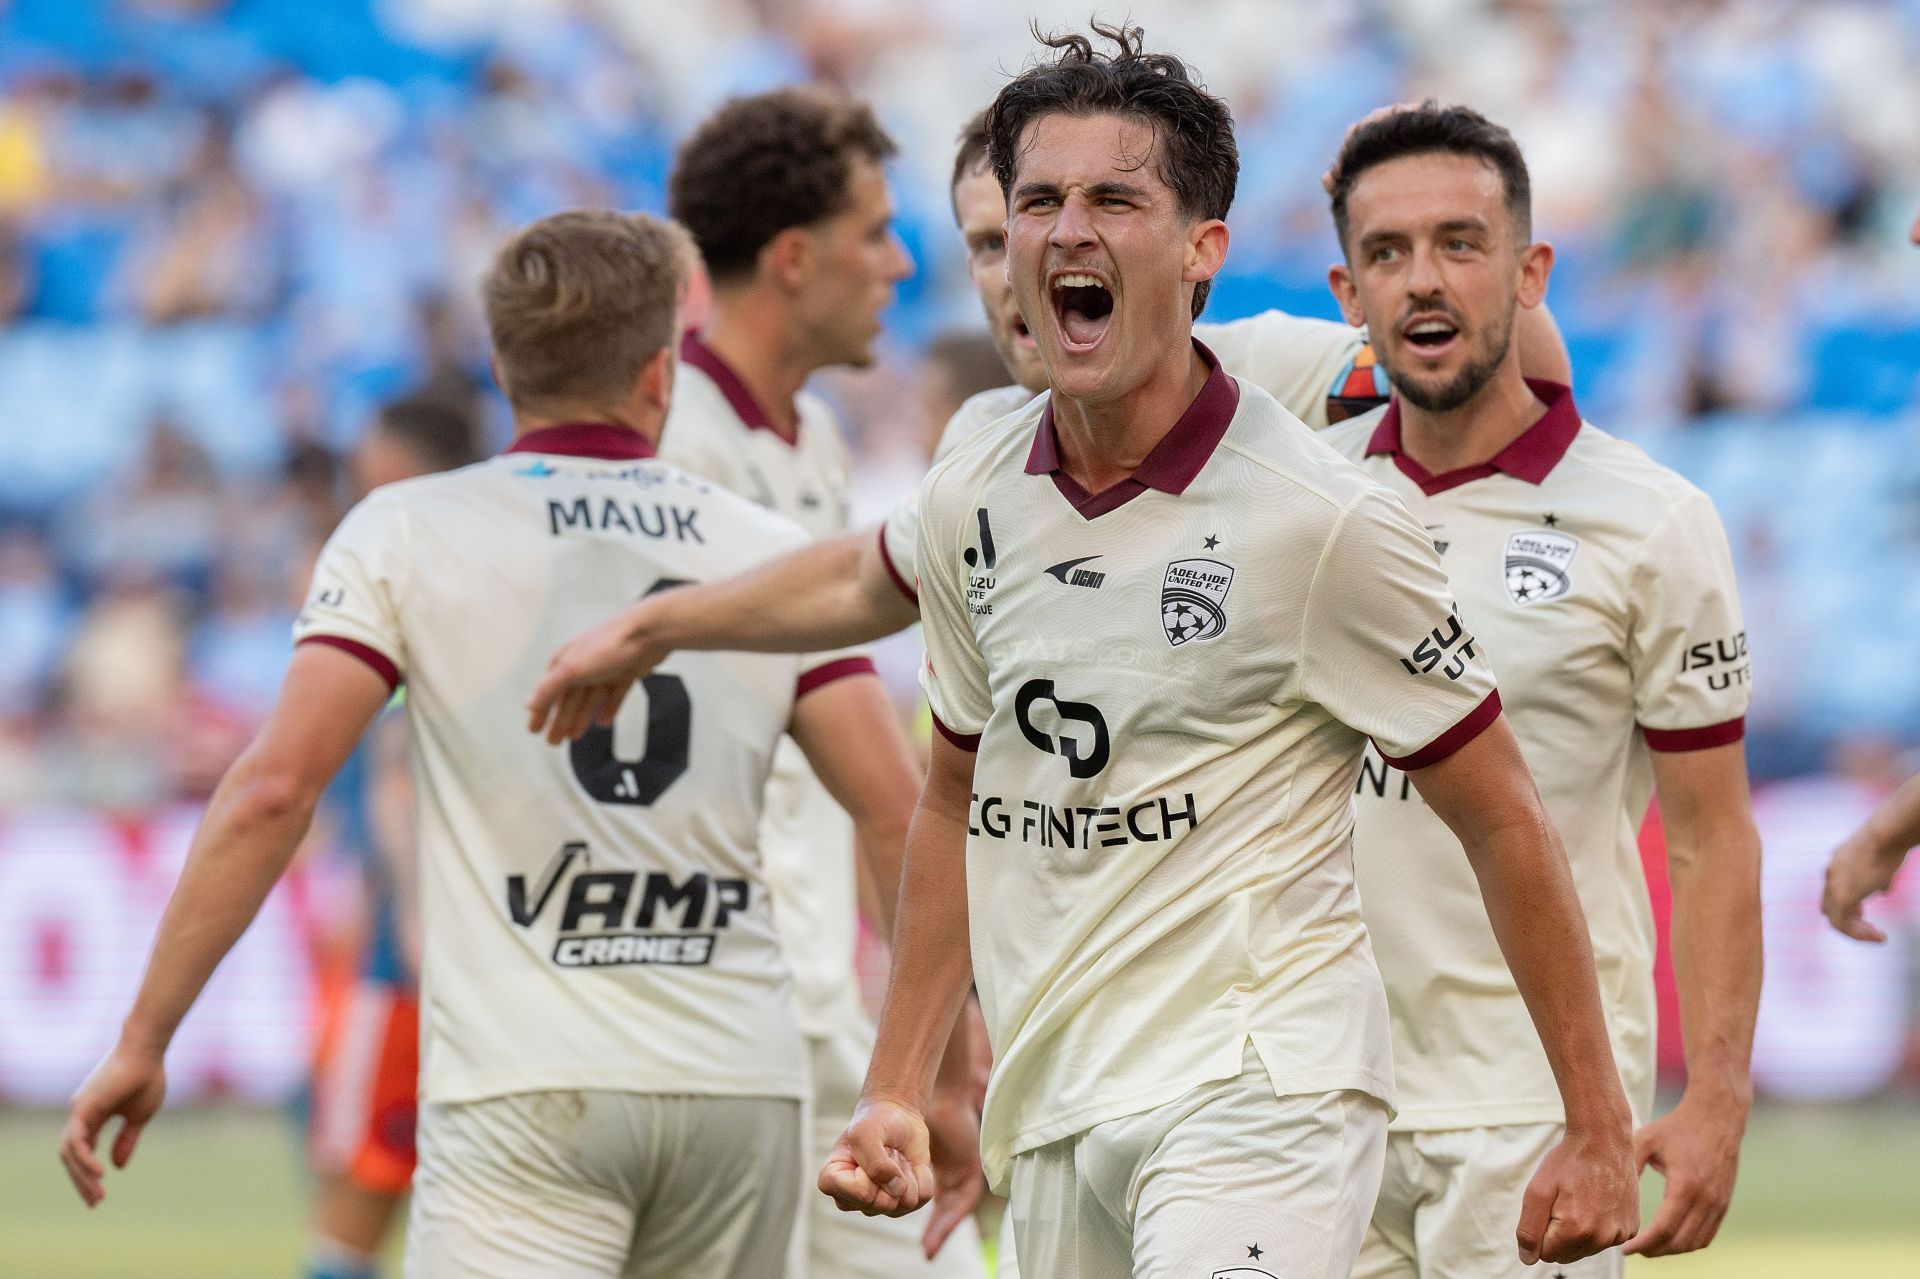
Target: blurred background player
[(787, 199), (1602, 588), (1191, 1057), (612, 1075), (366, 1075)]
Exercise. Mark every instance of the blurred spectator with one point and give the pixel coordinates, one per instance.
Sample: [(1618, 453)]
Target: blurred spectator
[(161, 520), (34, 616)]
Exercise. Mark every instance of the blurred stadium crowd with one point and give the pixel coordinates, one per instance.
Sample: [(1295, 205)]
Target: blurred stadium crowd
[(231, 229)]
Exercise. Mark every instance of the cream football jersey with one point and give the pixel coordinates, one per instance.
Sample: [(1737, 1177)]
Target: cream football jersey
[(1168, 685), (1312, 367), (1601, 585), (718, 431), (594, 914)]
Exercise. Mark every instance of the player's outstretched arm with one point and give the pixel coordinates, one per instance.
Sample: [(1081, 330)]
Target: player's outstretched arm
[(884, 1163), (256, 819), (832, 594), (1866, 864), (1713, 860), (1585, 1197)]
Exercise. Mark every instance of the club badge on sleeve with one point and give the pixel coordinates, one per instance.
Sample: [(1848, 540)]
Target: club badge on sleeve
[(1192, 600), (1536, 565)]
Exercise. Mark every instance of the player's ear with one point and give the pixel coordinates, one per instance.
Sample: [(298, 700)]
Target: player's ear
[(493, 367), (789, 257), (1340, 281), (1206, 250), (1536, 264), (656, 379)]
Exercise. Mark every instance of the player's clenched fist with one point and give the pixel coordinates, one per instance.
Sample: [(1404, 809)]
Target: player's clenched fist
[(883, 1164), (1584, 1198)]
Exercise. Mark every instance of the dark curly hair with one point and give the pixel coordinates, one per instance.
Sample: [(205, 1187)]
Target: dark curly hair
[(1196, 154), (762, 164), (1423, 130)]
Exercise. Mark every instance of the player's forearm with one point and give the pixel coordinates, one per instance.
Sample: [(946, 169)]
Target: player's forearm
[(1894, 827), (253, 824), (932, 966), (804, 602), (1717, 962), (1542, 932)]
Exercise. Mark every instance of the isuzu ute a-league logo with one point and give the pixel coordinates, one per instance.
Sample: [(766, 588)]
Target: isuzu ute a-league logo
[(1536, 565), (1192, 599)]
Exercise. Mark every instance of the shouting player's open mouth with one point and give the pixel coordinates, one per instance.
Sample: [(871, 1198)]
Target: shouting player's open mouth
[(1430, 333), (1082, 309)]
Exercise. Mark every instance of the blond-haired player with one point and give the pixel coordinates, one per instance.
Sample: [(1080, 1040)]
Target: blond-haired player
[(612, 1077), (1602, 588)]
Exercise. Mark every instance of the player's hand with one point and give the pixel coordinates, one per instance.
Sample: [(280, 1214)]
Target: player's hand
[(127, 1084), (1584, 1198), (1860, 868), (953, 1130), (588, 676), (1697, 1150), (882, 1165)]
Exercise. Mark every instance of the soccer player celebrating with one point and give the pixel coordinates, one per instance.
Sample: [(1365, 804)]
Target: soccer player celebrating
[(612, 1076), (785, 197), (1602, 586), (854, 588), (1162, 619)]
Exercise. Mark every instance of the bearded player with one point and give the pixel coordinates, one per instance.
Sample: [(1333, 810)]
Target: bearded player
[(1602, 586), (612, 1075), (1135, 833)]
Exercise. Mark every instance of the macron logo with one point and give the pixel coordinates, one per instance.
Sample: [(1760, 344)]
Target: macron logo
[(1069, 573)]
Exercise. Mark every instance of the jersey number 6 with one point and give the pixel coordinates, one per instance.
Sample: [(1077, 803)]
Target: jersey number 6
[(612, 780)]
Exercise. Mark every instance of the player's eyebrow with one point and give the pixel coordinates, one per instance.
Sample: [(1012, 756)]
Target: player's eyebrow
[(1452, 225), (1096, 190)]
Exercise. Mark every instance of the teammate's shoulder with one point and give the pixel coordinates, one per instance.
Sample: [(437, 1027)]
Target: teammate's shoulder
[(976, 411), (1624, 462), (1265, 435), (1350, 437)]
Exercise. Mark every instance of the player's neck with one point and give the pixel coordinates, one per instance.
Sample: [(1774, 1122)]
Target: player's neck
[(645, 424), (1474, 433), (754, 337), (1104, 442)]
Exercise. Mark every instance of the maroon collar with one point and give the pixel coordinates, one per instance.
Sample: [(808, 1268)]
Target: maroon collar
[(1173, 462), (1531, 457), (601, 440), (749, 410)]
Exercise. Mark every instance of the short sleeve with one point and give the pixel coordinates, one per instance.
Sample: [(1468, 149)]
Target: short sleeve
[(817, 670), (955, 674), (1686, 644), (1385, 649), (357, 583), (900, 546)]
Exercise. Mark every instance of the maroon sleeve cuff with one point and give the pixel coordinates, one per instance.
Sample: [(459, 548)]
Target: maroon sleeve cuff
[(373, 657), (1453, 739), (1695, 739), (839, 668), (965, 741), (906, 587)]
